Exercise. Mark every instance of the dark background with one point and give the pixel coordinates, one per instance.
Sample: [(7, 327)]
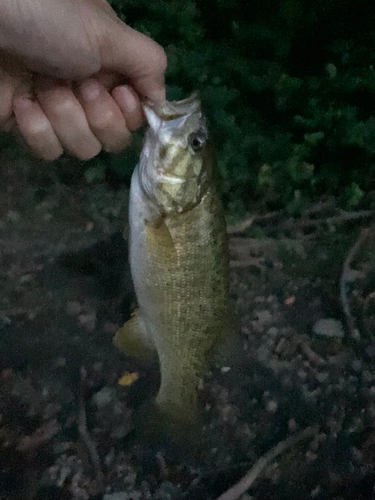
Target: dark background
[(289, 87)]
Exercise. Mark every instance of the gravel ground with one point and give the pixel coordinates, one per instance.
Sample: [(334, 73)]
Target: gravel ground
[(66, 423)]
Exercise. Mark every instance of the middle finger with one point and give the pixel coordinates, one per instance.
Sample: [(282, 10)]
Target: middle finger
[(67, 118)]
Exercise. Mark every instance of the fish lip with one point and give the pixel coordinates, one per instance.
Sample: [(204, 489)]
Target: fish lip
[(171, 110)]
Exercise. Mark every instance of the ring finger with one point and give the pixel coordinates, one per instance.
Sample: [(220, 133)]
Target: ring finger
[(104, 116), (36, 129)]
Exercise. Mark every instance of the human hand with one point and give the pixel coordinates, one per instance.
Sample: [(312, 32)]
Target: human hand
[(72, 74)]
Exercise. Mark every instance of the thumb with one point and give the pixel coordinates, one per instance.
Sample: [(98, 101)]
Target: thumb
[(141, 60)]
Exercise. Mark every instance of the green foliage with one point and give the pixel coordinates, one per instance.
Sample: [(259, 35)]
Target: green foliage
[(289, 89), (288, 86)]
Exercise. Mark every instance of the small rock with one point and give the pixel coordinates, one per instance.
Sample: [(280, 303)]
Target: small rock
[(357, 365), (263, 354), (322, 377), (225, 369), (292, 425), (121, 495), (26, 278), (273, 331), (271, 406), (370, 351), (329, 328), (367, 377), (12, 216), (60, 362), (259, 299), (104, 397), (280, 346), (87, 321), (73, 308), (316, 491), (264, 317), (167, 491), (110, 457)]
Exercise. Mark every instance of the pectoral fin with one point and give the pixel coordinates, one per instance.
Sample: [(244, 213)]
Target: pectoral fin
[(133, 339), (160, 241)]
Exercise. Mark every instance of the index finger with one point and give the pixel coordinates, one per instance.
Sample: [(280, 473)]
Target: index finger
[(141, 60)]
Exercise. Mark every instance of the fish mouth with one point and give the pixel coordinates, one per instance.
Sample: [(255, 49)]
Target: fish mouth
[(172, 111)]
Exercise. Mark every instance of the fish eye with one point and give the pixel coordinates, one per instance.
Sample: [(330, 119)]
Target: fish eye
[(197, 140)]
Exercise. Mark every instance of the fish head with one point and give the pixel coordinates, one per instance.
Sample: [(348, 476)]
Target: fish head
[(175, 164)]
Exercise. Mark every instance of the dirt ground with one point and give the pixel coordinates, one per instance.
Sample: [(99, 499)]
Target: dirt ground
[(67, 397)]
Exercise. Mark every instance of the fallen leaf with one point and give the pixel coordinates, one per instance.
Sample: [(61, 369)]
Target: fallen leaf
[(128, 379), (290, 301)]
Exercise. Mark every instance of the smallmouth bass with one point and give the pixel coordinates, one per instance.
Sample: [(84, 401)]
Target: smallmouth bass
[(178, 258)]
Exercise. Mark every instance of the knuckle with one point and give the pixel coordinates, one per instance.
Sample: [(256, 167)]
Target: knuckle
[(161, 58), (5, 112), (103, 121), (9, 125), (37, 129), (62, 106)]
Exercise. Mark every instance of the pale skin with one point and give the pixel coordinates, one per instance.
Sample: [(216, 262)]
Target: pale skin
[(73, 76)]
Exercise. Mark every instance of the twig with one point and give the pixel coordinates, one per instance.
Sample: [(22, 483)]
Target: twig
[(330, 221), (84, 433), (235, 264), (303, 222), (345, 278), (40, 437), (240, 227), (311, 354), (248, 480)]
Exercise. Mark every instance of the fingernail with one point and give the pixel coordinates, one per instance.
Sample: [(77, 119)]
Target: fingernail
[(128, 99), (90, 91), (22, 103)]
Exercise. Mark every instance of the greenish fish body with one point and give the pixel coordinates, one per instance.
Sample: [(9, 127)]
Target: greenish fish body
[(178, 257)]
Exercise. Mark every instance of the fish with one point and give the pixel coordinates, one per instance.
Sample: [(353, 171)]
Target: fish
[(179, 259)]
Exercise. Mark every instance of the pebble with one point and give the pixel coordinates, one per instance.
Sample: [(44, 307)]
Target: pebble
[(322, 377), (367, 377), (88, 321), (271, 406), (329, 327), (357, 365), (122, 495), (264, 317), (273, 331), (263, 354), (73, 308), (104, 397), (167, 491)]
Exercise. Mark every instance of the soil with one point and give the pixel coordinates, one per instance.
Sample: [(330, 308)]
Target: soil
[(67, 396)]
